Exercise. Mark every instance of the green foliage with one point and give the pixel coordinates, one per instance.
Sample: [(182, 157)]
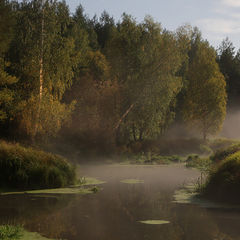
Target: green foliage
[(221, 143), (27, 168), (99, 85), (222, 154), (144, 59), (205, 99), (205, 149), (223, 183), (6, 80), (43, 56), (52, 115), (229, 63), (194, 161), (9, 232)]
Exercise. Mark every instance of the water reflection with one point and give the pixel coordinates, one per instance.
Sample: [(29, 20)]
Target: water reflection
[(114, 212)]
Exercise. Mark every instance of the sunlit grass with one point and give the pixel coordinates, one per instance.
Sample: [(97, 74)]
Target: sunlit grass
[(10, 232)]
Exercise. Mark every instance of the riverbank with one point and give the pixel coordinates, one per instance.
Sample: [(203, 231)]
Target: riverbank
[(223, 182), (28, 168)]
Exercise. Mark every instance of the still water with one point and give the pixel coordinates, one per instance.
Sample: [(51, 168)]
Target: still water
[(114, 212)]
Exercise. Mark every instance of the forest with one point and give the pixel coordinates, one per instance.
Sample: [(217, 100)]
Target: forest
[(105, 85), (128, 105)]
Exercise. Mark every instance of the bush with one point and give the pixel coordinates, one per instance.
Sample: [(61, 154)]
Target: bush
[(221, 143), (223, 183), (8, 232), (28, 168), (194, 161), (222, 154)]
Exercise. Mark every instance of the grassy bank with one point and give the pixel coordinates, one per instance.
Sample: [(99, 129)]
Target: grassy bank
[(10, 232), (223, 182), (28, 168)]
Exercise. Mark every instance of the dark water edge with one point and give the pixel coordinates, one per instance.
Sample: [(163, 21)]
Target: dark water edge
[(115, 211)]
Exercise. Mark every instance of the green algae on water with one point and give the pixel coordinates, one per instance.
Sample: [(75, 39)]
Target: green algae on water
[(70, 190), (189, 195), (33, 236), (155, 222), (85, 181), (132, 181)]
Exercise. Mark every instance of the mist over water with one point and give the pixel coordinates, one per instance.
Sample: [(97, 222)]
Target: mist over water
[(115, 211), (231, 126)]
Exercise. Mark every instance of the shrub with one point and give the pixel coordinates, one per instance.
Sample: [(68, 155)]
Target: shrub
[(8, 232), (222, 154), (223, 183), (194, 161), (28, 168), (221, 143)]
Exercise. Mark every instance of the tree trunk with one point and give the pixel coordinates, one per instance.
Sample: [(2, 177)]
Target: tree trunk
[(123, 116), (37, 120), (134, 133)]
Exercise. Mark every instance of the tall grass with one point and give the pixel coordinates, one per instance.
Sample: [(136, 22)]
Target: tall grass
[(27, 168), (223, 183)]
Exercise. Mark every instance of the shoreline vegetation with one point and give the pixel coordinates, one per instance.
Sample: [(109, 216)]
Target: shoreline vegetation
[(12, 232), (223, 181), (27, 168), (219, 181)]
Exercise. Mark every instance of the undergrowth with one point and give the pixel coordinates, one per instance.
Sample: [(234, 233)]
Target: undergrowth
[(28, 168)]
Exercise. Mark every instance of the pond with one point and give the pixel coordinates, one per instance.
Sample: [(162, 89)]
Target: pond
[(135, 202)]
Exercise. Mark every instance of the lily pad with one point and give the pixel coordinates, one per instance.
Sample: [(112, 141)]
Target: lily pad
[(155, 222), (132, 181), (185, 195)]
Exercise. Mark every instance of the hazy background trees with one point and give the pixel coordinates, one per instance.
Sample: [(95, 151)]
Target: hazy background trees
[(98, 83)]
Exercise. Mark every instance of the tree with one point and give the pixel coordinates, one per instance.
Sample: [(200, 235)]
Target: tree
[(229, 63), (144, 59), (42, 53), (6, 80), (205, 99), (104, 28)]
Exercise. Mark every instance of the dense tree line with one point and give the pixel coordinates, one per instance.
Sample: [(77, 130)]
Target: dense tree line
[(107, 83)]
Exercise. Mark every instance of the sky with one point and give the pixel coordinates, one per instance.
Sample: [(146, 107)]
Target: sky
[(217, 19)]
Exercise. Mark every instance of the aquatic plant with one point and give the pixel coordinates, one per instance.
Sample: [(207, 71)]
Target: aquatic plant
[(132, 181), (155, 222)]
